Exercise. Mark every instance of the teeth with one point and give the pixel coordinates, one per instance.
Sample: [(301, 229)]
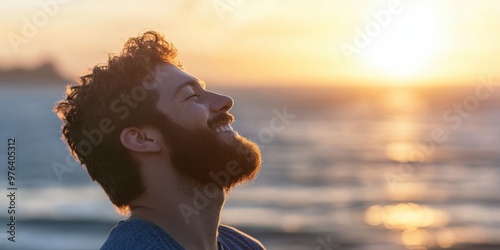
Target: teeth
[(224, 128)]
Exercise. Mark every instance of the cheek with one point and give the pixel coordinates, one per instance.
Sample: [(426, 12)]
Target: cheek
[(194, 116)]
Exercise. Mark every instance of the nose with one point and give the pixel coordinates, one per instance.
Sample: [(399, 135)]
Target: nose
[(220, 103)]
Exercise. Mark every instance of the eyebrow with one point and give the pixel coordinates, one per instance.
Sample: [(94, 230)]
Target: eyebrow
[(192, 82)]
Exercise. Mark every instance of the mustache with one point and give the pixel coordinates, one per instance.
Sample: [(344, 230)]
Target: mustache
[(222, 118)]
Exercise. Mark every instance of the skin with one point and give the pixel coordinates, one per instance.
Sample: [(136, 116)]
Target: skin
[(191, 106)]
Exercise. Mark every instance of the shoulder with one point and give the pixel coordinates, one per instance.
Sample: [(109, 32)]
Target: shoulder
[(233, 238), (138, 234)]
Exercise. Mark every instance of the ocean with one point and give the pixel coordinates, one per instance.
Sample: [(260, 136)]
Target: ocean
[(350, 168)]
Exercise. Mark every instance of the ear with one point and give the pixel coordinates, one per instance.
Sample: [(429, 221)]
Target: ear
[(145, 140)]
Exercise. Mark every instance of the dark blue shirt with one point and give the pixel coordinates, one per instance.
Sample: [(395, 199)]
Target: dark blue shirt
[(140, 234)]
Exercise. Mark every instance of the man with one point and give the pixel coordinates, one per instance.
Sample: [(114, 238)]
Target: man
[(162, 148)]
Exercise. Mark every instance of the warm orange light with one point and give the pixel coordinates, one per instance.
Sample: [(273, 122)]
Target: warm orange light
[(405, 216), (420, 226), (399, 151), (402, 102), (414, 237), (445, 238), (406, 191), (374, 215), (408, 43)]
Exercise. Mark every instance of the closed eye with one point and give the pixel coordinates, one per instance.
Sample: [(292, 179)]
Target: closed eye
[(192, 96)]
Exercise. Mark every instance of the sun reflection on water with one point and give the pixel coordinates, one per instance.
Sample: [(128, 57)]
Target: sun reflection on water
[(400, 125), (405, 216), (414, 222), (399, 151), (419, 226)]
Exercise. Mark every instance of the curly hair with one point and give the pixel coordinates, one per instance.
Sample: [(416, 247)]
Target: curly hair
[(105, 102)]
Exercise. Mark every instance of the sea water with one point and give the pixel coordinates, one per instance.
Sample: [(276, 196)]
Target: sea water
[(350, 168)]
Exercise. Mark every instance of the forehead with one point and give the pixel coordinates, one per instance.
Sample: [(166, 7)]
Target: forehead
[(170, 78)]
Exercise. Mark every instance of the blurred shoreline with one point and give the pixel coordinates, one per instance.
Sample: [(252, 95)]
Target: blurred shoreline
[(43, 75)]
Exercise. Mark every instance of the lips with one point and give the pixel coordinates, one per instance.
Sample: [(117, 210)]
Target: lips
[(222, 123)]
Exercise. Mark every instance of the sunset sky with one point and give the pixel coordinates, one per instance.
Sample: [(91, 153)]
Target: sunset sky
[(268, 42)]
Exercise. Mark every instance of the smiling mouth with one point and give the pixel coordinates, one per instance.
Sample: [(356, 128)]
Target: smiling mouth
[(224, 128), (222, 124)]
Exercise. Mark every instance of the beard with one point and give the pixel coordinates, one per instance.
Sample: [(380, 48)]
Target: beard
[(203, 155)]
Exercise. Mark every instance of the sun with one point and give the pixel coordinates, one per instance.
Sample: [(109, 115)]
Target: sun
[(408, 44)]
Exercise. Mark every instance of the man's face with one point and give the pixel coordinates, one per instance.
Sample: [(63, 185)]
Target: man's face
[(196, 129)]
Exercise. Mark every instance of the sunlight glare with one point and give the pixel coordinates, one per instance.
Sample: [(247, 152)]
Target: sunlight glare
[(405, 216), (399, 151), (408, 43), (414, 237)]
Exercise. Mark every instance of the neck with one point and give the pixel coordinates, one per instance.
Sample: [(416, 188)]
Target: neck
[(187, 211)]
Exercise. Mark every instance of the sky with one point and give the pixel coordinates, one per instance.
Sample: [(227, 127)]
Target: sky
[(271, 42)]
